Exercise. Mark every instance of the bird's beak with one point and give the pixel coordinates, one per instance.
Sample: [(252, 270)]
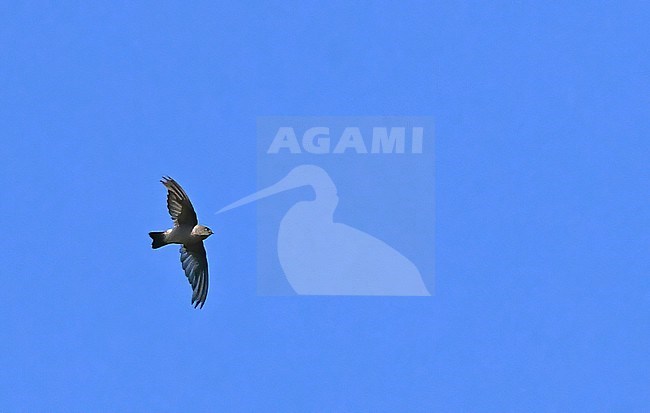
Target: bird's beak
[(283, 185)]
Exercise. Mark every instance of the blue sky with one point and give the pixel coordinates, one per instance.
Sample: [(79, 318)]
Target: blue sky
[(542, 294)]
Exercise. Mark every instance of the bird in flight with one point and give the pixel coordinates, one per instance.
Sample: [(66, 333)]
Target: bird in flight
[(187, 232)]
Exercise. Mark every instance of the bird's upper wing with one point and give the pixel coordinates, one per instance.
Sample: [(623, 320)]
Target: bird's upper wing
[(195, 264), (178, 203)]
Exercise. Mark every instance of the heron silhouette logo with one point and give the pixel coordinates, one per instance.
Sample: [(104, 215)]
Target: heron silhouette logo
[(305, 248)]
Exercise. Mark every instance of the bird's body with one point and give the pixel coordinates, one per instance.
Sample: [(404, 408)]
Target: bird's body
[(187, 232), (184, 234)]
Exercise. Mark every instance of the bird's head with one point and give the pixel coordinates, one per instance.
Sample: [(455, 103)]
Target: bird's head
[(202, 231)]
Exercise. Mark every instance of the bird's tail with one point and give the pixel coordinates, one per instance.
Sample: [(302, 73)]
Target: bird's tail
[(158, 239)]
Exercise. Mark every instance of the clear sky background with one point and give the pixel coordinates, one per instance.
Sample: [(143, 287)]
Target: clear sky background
[(542, 294)]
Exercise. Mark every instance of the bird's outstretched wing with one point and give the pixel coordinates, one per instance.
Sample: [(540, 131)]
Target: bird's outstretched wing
[(195, 265), (178, 203)]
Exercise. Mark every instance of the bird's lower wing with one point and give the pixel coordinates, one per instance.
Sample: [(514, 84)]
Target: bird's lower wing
[(195, 264)]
